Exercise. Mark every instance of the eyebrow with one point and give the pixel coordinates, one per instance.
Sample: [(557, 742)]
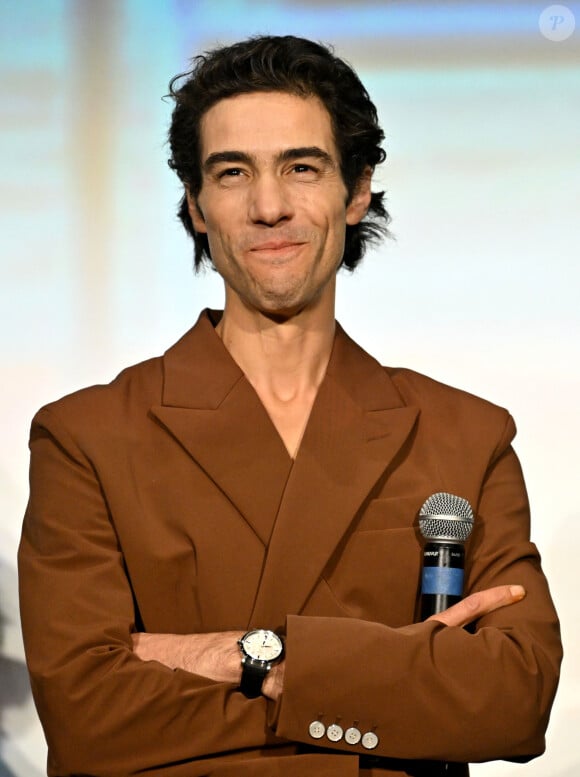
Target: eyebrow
[(288, 155), (313, 152), (225, 156)]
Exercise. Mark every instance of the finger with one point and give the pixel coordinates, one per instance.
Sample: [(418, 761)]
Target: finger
[(139, 640), (478, 604)]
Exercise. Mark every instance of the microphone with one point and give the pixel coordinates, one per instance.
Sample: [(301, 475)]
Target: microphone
[(445, 521)]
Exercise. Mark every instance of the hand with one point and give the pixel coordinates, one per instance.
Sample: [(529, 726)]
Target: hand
[(215, 656), (274, 683), (478, 604)]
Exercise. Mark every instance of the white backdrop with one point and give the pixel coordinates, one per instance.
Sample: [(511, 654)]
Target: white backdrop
[(479, 289)]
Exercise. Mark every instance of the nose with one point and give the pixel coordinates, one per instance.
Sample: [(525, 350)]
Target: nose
[(269, 200)]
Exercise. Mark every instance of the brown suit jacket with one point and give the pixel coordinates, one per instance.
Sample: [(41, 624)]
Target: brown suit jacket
[(167, 502)]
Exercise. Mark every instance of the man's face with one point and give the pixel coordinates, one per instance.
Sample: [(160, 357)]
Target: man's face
[(272, 201)]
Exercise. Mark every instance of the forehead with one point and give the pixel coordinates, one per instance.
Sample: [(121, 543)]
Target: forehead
[(264, 123)]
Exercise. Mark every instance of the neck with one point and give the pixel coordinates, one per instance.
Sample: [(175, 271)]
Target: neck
[(283, 359)]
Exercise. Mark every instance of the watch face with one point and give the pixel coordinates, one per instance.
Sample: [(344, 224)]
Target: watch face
[(262, 645)]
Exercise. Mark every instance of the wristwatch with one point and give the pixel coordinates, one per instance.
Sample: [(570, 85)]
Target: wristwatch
[(261, 649)]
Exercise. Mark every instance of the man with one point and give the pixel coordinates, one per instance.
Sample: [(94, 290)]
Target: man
[(266, 473)]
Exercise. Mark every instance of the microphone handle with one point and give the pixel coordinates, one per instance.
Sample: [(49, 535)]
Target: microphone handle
[(442, 578), (442, 586)]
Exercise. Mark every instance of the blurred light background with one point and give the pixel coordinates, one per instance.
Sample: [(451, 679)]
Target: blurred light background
[(479, 289)]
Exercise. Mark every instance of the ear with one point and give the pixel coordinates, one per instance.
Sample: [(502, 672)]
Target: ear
[(359, 203), (195, 212)]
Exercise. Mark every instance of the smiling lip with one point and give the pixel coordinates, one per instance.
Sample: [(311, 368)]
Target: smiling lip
[(275, 245)]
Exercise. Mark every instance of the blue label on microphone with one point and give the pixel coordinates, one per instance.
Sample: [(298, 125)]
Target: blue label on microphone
[(442, 580)]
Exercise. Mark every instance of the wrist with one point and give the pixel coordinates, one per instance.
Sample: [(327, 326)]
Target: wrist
[(261, 650)]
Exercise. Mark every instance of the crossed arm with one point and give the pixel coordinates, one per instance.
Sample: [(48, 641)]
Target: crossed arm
[(81, 660), (217, 657)]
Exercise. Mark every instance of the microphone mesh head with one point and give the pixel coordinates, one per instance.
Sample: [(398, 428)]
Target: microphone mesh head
[(446, 517)]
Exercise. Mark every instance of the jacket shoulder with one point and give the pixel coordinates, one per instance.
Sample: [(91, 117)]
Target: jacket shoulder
[(452, 410), (134, 390)]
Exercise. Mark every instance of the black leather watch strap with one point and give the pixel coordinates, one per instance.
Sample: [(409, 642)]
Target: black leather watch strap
[(252, 679)]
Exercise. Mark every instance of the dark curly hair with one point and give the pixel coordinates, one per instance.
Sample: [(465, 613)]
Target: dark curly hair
[(282, 64)]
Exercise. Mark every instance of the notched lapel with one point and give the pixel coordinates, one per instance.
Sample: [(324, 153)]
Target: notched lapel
[(357, 427)]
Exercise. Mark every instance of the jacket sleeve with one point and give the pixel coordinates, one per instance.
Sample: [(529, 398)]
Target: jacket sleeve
[(103, 710), (434, 692)]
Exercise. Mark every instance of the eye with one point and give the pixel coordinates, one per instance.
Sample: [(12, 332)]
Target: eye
[(230, 172), (304, 172), (303, 168), (229, 177)]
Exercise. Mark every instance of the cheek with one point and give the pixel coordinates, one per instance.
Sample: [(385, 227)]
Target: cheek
[(224, 249), (337, 224), (327, 215), (217, 245)]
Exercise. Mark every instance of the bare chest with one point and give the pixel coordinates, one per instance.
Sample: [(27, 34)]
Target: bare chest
[(290, 419)]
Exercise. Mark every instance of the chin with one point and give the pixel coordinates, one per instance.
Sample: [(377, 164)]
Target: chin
[(280, 313), (278, 301), (281, 302)]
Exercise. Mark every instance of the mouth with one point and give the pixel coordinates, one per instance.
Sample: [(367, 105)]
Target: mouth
[(272, 246), (276, 253)]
